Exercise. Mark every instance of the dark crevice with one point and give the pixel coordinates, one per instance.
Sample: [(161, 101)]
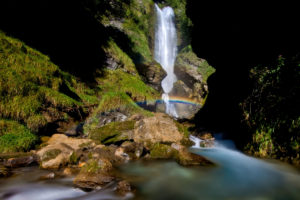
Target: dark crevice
[(234, 37)]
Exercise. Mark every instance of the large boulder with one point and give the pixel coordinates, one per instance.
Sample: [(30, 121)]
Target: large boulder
[(59, 149), (157, 129)]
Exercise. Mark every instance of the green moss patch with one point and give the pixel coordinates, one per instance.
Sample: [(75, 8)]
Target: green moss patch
[(30, 83), (120, 57), (187, 57), (112, 132), (15, 137), (50, 154), (163, 151)]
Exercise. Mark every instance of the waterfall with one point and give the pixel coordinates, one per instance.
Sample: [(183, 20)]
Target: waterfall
[(166, 52)]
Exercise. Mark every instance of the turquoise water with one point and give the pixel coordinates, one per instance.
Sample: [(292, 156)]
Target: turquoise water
[(235, 176)]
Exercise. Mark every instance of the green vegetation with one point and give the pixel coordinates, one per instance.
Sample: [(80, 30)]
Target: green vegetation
[(15, 137), (50, 154), (120, 91), (132, 18), (29, 81), (91, 167), (187, 57), (112, 132), (163, 151), (271, 110), (119, 81), (121, 58), (73, 158)]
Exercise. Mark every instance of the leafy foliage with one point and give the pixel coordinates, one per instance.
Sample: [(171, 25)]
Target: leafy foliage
[(272, 110)]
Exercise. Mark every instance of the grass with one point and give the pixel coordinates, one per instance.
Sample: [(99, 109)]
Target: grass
[(163, 151), (29, 81), (123, 60), (15, 137), (186, 57), (120, 81)]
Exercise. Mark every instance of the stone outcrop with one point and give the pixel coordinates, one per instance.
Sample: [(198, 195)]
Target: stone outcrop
[(59, 149), (153, 74), (157, 129)]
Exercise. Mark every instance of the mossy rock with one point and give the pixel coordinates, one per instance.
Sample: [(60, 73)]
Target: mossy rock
[(187, 59), (163, 151), (113, 132), (50, 154)]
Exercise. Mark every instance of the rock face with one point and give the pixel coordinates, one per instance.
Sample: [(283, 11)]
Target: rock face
[(192, 73), (159, 128), (153, 74), (59, 149)]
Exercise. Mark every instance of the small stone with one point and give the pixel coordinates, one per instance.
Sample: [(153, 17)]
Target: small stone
[(123, 188), (48, 176)]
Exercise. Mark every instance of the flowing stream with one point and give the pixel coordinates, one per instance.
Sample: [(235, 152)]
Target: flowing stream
[(166, 52), (235, 177)]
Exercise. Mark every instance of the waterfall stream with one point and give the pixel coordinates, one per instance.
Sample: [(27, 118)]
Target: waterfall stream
[(166, 52)]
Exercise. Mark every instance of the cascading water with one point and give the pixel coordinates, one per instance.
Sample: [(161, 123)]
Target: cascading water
[(166, 52)]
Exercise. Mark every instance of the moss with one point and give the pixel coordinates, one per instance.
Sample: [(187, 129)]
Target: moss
[(73, 158), (182, 129), (91, 167), (119, 81), (15, 137), (120, 91), (120, 57), (50, 154), (271, 112), (187, 58), (163, 151), (29, 81), (112, 132)]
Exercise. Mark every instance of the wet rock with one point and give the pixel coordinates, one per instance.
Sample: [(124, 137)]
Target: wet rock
[(90, 181), (153, 73), (207, 143), (59, 149), (157, 129), (51, 175), (129, 151), (123, 188), (205, 136), (75, 130), (4, 172), (187, 158), (109, 153), (94, 174), (181, 89), (108, 117), (163, 151), (20, 161), (133, 149)]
